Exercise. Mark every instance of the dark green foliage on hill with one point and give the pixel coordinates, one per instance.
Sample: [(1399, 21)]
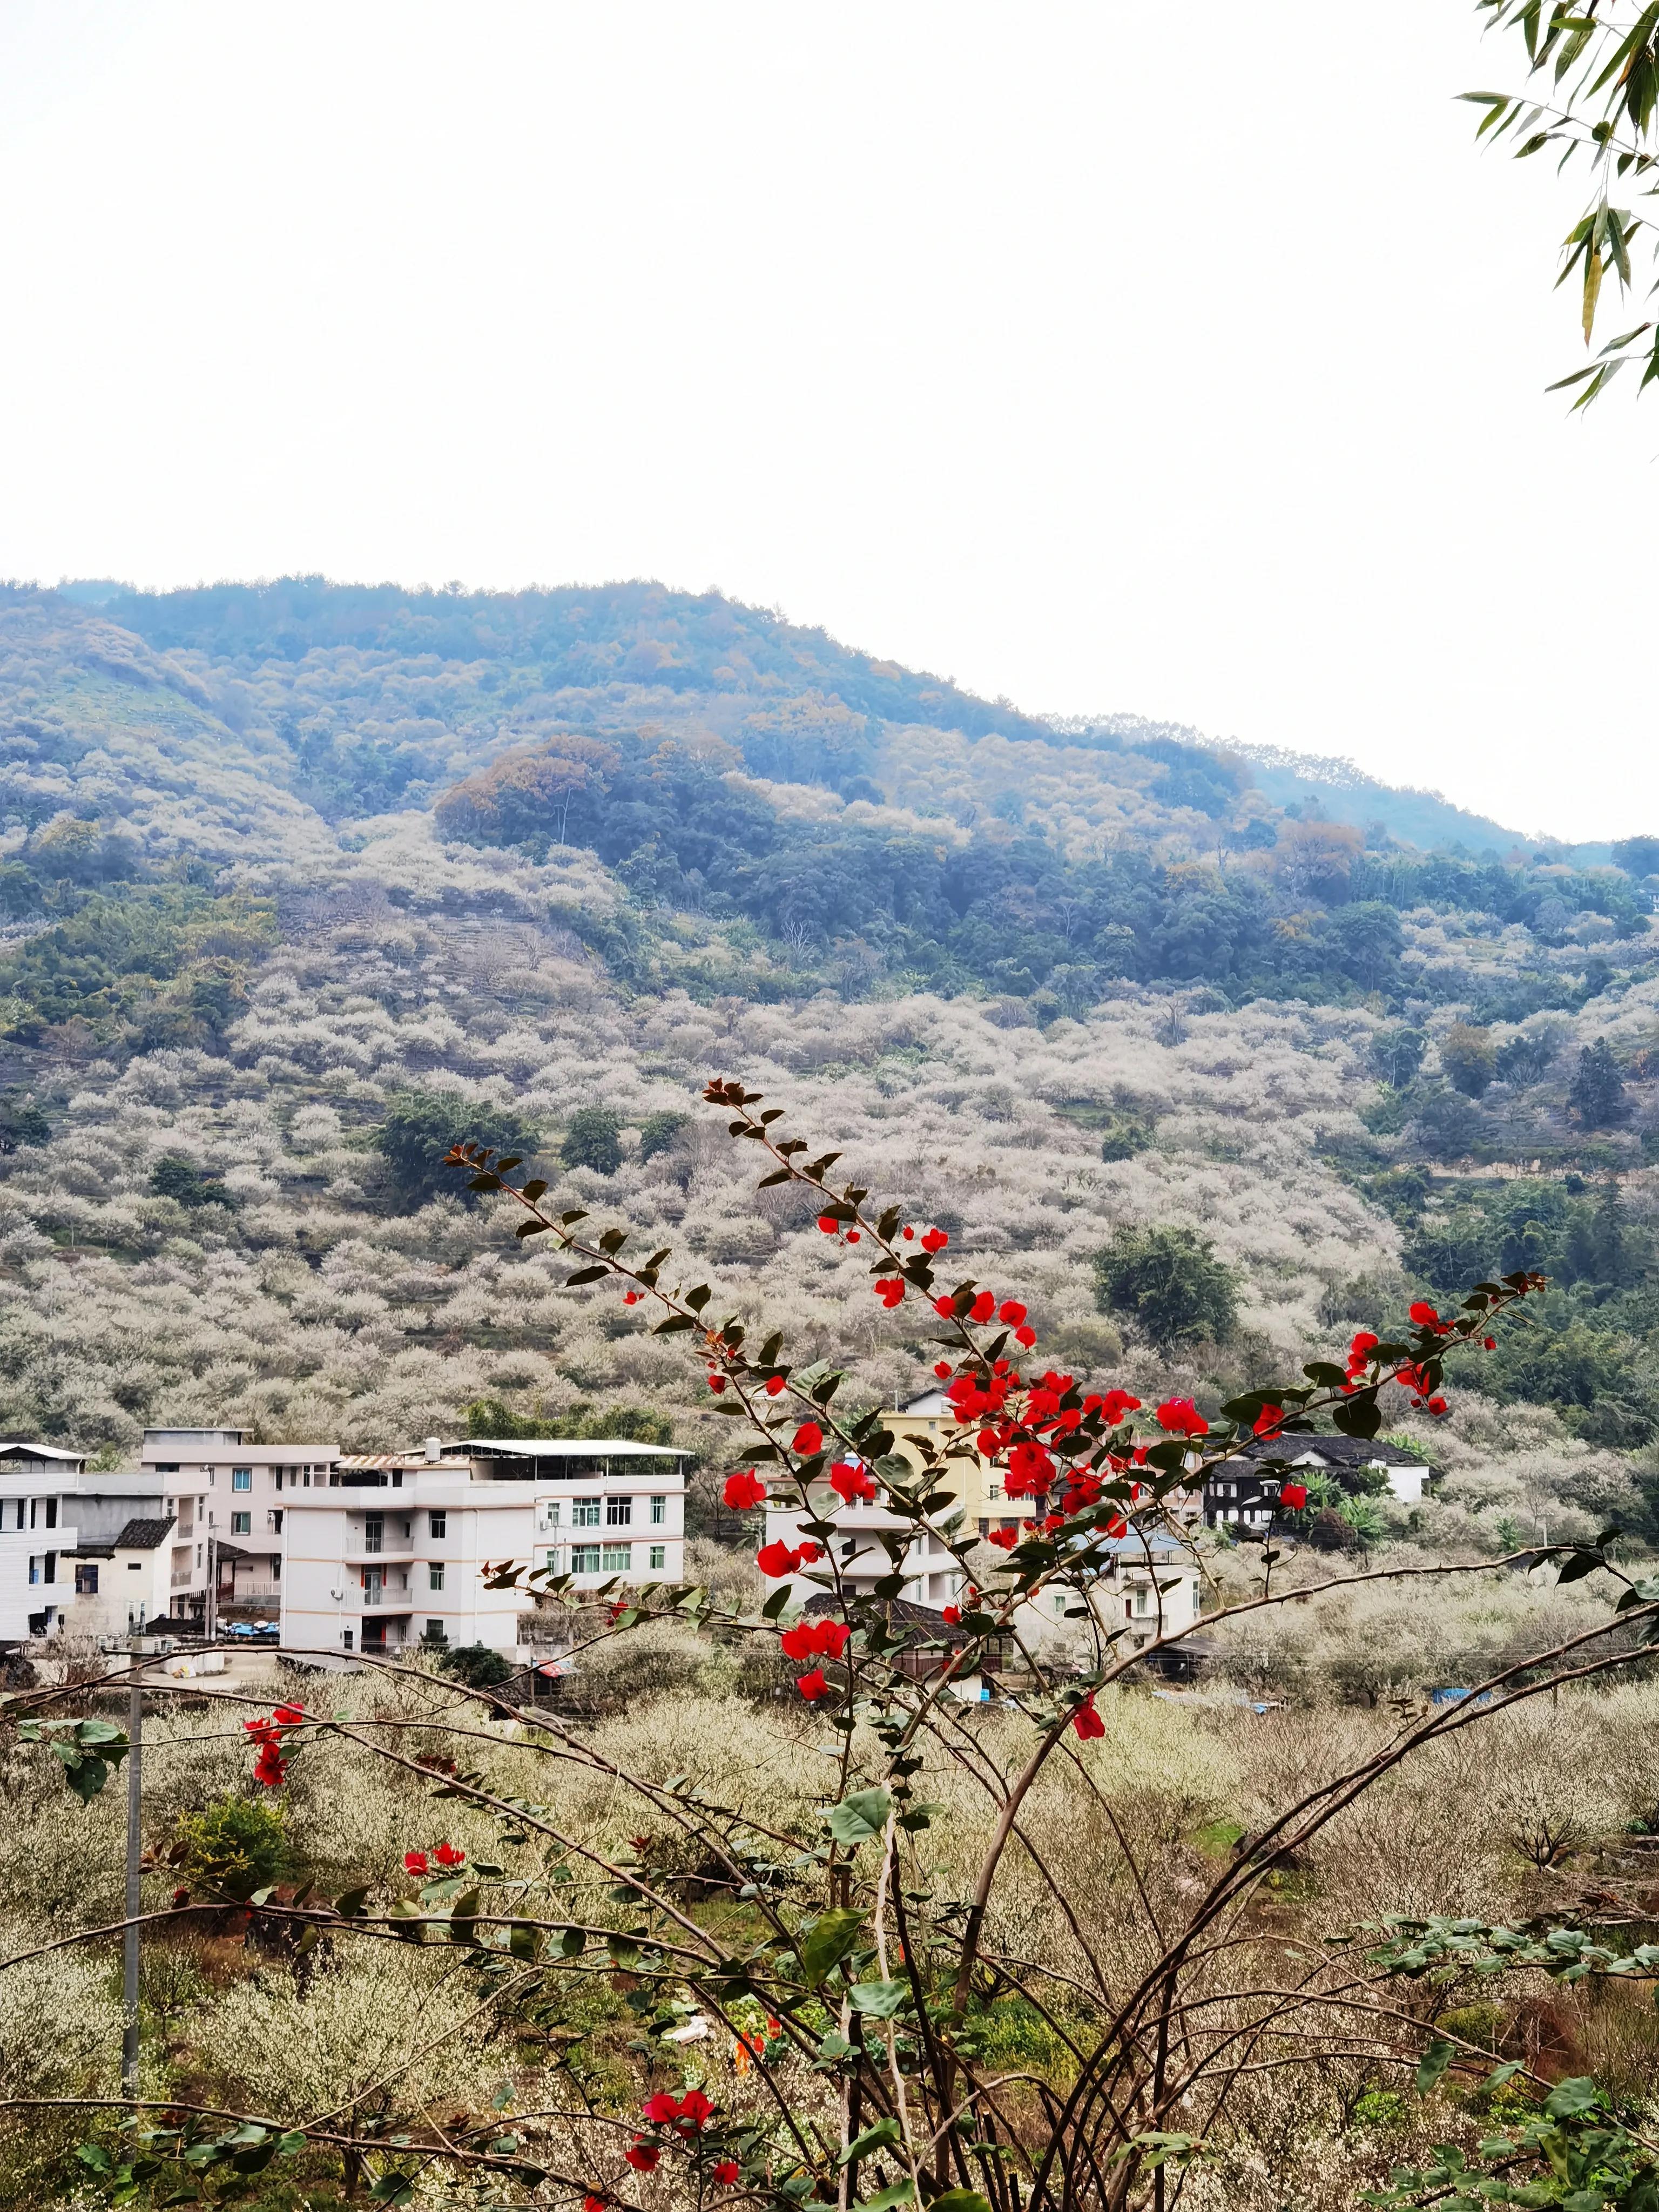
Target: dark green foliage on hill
[(176, 1177), (1170, 1281), (638, 1424), (592, 1140), (479, 1666), (22, 1122), (1597, 1096), (658, 1133), (421, 1126), (146, 966)]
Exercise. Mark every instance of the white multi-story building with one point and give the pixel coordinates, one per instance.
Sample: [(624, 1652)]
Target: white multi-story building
[(228, 1499), (38, 1529), (81, 1553), (393, 1550)]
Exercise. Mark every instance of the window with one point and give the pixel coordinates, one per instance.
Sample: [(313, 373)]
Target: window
[(35, 1568), (435, 1632), (549, 1513), (52, 1513), (373, 1531), (584, 1559), (584, 1512), (274, 1520), (618, 1512), (993, 1489), (660, 1555), (275, 1566), (241, 1477), (198, 1555), (135, 1566), (617, 1560), (440, 1523), (345, 1638), (659, 1512), (51, 1566), (241, 1524), (434, 1575)]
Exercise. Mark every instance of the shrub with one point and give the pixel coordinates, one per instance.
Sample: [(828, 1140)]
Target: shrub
[(1170, 1281), (235, 1845), (658, 1133), (478, 1665), (420, 1128), (593, 1140)]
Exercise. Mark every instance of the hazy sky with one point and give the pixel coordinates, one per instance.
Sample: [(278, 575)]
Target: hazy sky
[(1183, 360)]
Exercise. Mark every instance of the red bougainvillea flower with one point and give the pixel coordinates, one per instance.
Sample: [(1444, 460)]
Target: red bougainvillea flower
[(1363, 1341), (261, 1729), (448, 1856), (813, 1685), (1003, 1539), (268, 1767), (695, 2109), (810, 1639), (726, 2174), (416, 1862), (776, 1559), (289, 1715), (1025, 1336), (181, 1897), (951, 1615), (594, 2204), (1293, 1494), (773, 1384), (851, 1236), (1012, 1312), (1489, 1343), (743, 1490), (1086, 1721), (890, 1289), (808, 1439), (1425, 1315), (983, 1307), (662, 2110), (934, 1241), (945, 1309), (1179, 1417), (1436, 1406), (717, 1383), (942, 1369), (827, 1223), (629, 1298), (1270, 1420), (850, 1482), (643, 2157)]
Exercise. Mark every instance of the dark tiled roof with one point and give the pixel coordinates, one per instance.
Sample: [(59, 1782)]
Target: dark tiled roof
[(143, 1535), (233, 1551), (1337, 1451)]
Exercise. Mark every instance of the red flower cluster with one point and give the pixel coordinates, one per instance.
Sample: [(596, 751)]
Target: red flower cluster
[(269, 1767), (777, 1558), (1003, 1539), (1086, 1721), (743, 1490), (446, 1855), (810, 1640), (1360, 1358), (1030, 1470), (1427, 1316), (1179, 1417), (890, 1289), (688, 2114), (934, 1241), (850, 1482), (1412, 1377)]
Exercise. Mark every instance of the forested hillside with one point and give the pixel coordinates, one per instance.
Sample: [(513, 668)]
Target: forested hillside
[(300, 880)]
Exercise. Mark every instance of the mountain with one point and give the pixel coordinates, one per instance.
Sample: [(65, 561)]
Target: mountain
[(286, 867)]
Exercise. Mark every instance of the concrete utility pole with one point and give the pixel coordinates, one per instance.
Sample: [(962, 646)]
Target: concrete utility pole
[(135, 1857)]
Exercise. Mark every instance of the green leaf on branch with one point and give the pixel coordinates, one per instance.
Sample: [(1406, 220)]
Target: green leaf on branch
[(880, 1999), (861, 1818), (884, 2135), (900, 2193), (1434, 2061), (833, 1935)]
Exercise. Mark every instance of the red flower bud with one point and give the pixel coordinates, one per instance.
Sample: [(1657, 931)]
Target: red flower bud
[(1086, 1721), (629, 1298), (1436, 1406), (851, 1236), (942, 1369), (1489, 1343)]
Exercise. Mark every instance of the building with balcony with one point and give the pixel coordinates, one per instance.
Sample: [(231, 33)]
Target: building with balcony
[(393, 1550), (221, 1490)]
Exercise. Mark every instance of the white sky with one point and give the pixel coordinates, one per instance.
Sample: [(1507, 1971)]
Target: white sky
[(1104, 353)]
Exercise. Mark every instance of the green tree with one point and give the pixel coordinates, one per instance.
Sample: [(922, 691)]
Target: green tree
[(22, 1121), (1636, 856), (177, 1177), (1170, 1281), (658, 1131), (421, 1125), (478, 1665), (1597, 1096), (1396, 1054), (592, 1140), (640, 1425), (1526, 1058), (1469, 1057), (235, 1845), (1448, 1124)]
